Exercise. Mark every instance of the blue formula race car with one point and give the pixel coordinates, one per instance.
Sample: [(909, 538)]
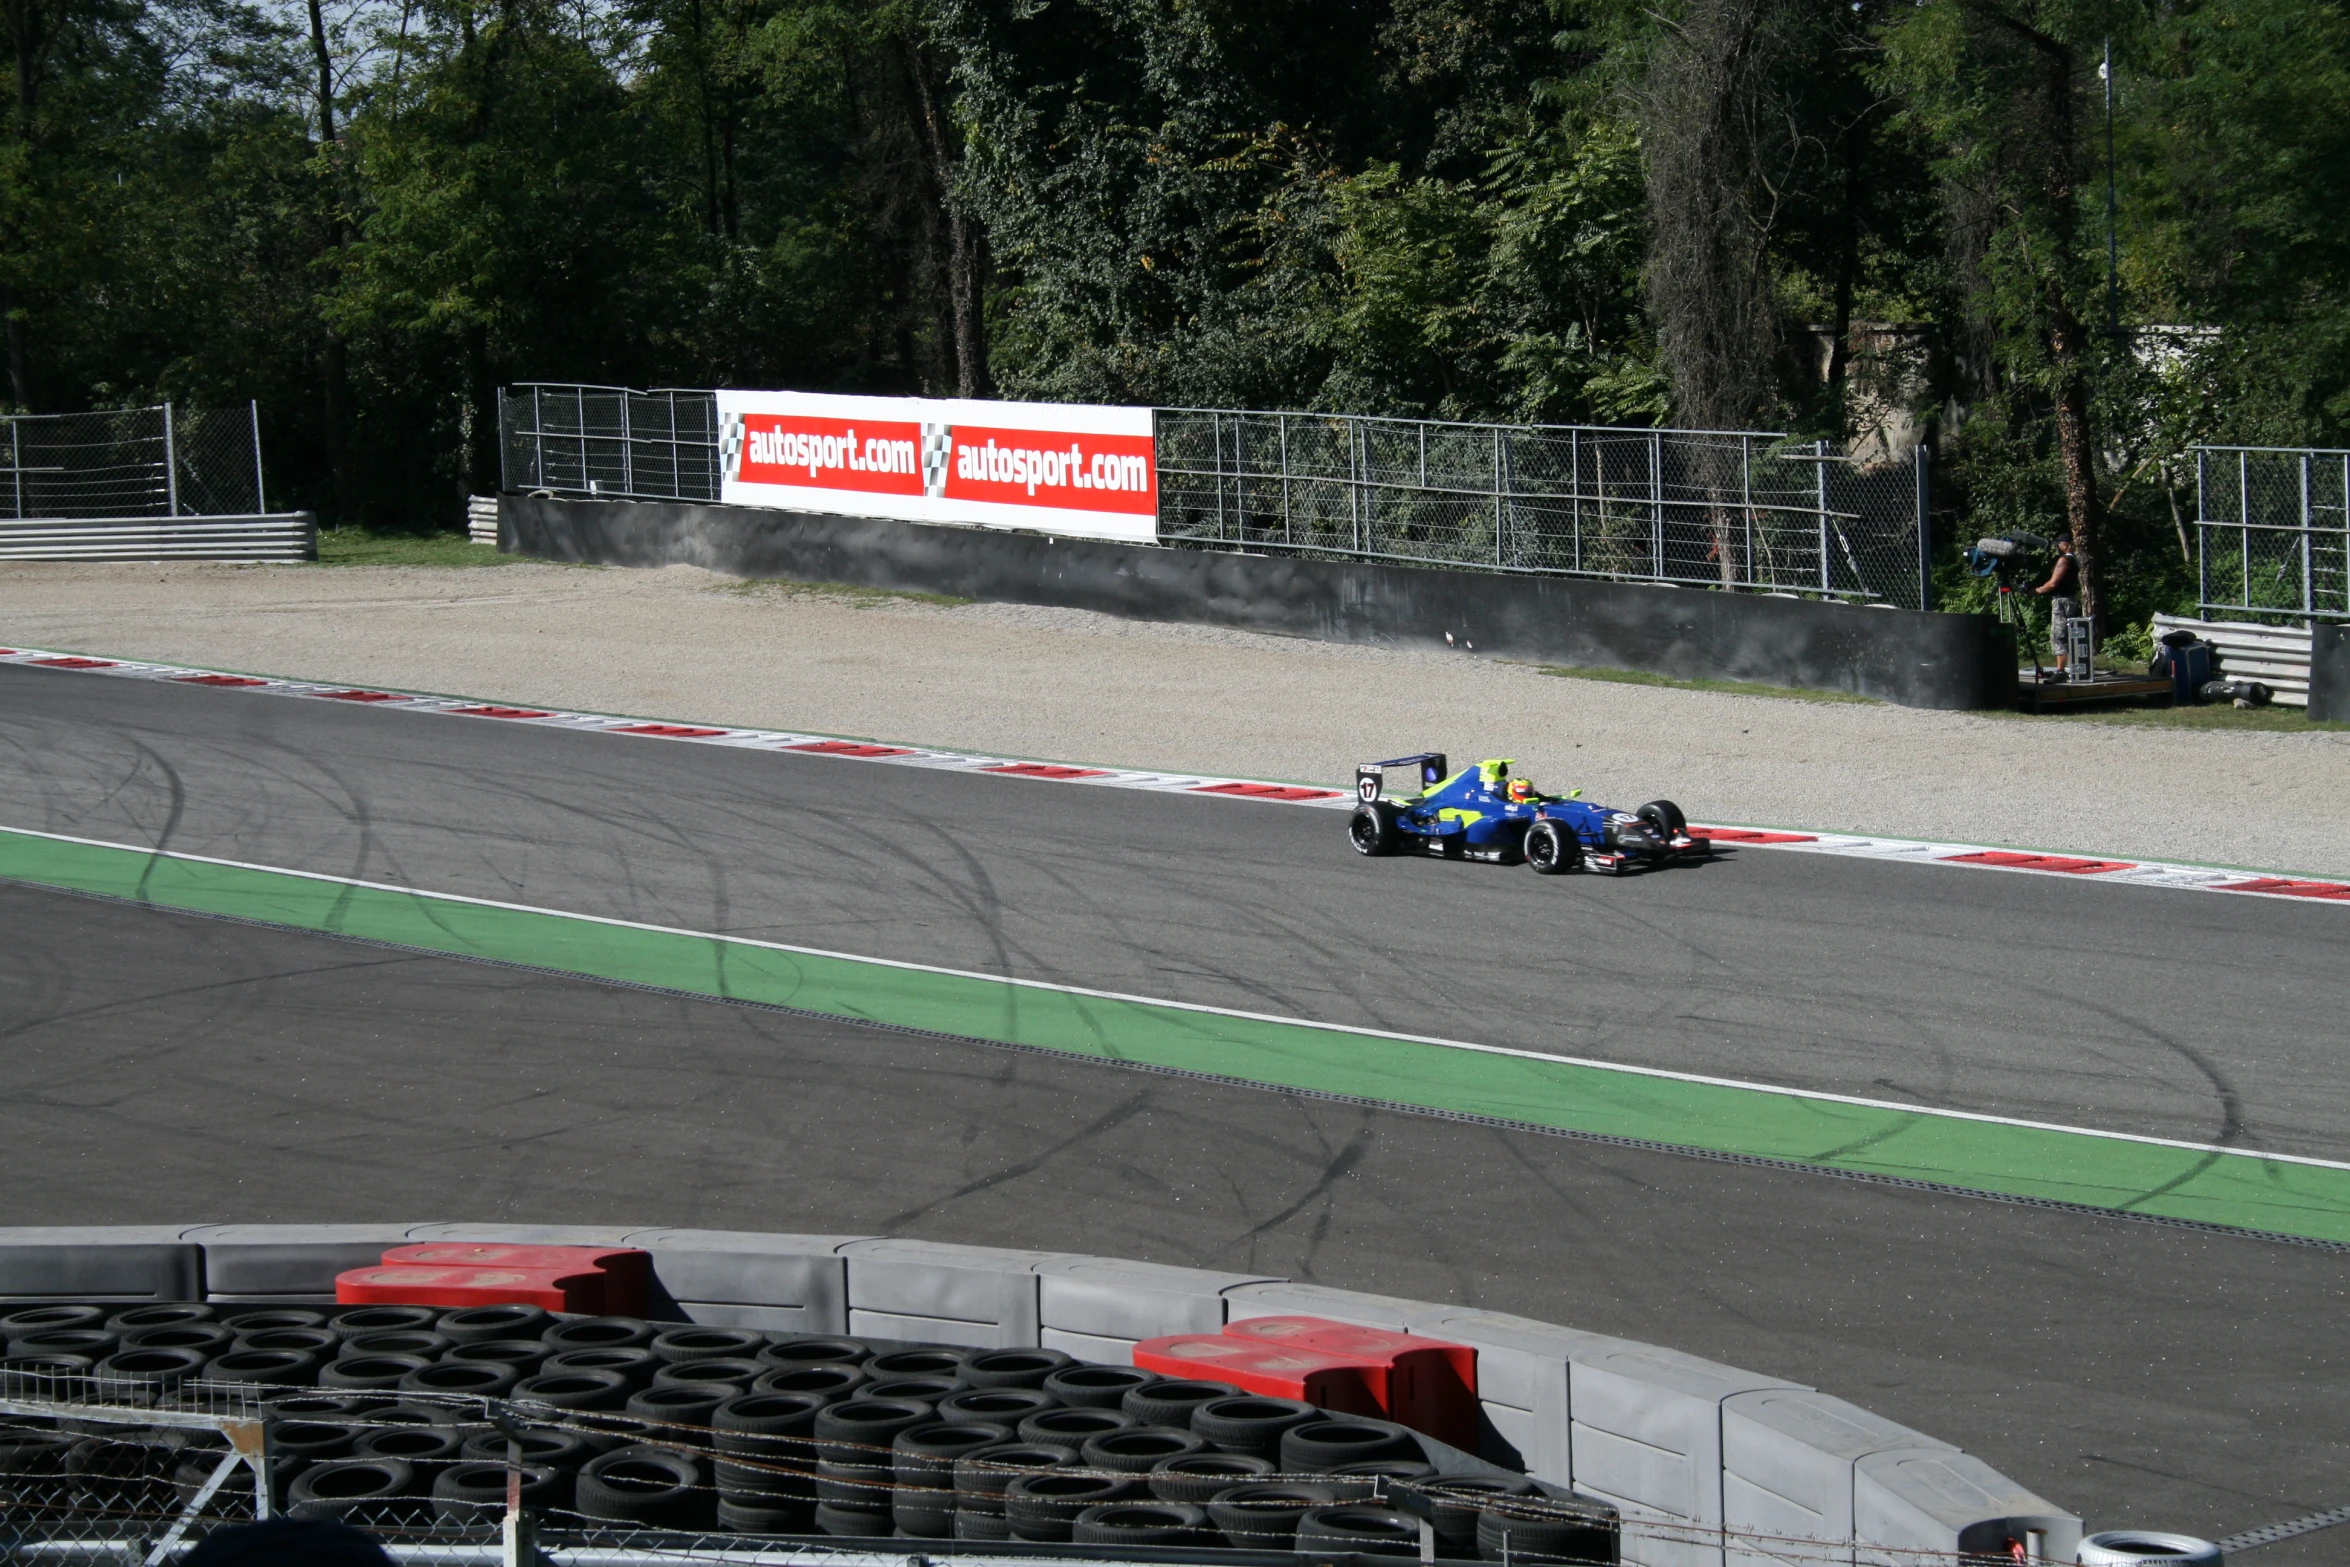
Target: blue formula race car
[(1482, 813)]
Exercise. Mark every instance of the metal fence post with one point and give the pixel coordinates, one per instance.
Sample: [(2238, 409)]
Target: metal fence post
[(2202, 533), (1575, 489), (2306, 523), (171, 464), (1356, 459), (260, 494), (1925, 528), (16, 462), (1746, 495), (627, 448), (1287, 537), (1656, 506), (1820, 497), (1500, 490), (2244, 525)]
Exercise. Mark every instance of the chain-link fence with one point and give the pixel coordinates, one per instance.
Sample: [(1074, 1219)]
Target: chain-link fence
[(610, 440), (2272, 531), (1731, 509), (133, 462)]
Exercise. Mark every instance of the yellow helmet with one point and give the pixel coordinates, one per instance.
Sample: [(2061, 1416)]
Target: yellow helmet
[(1522, 789)]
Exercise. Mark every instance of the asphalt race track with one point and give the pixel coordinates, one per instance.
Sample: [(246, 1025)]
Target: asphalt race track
[(163, 1066)]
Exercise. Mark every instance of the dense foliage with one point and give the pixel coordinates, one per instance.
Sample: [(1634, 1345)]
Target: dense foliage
[(1823, 216)]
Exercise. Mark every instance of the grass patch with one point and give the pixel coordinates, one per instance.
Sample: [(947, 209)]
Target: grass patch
[(358, 547), (1634, 677), (848, 593)]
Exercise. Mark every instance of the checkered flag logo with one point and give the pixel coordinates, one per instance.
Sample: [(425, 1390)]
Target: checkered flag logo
[(730, 446), (938, 445)]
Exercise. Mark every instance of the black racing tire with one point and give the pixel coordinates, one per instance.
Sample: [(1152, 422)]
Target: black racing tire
[(571, 1389), (423, 1447), (1140, 1523), (766, 1516), (153, 1369), (1665, 817), (634, 1364), (981, 1526), (1367, 1531), (994, 1405), (1073, 1428), (369, 1373), (923, 1504), (467, 1379), (1198, 1477), (1458, 1501), (1371, 829), (96, 1343), (855, 1467), (1551, 849), (651, 1487), (701, 1343), (728, 1371), (1537, 1539), (475, 1324), (273, 1367), (266, 1320), (685, 1411), (163, 1314), (205, 1338), (771, 1435), (1264, 1517), (322, 1344), (524, 1355), (1139, 1450), (1012, 1367), (1166, 1403), (311, 1441), (828, 1382), (304, 1404), (608, 1432), (1251, 1423), (331, 1489), (1042, 1508), (404, 1341), (1097, 1387), (544, 1447), (356, 1320), (1320, 1446), (48, 1319), (475, 1492), (598, 1333), (787, 1354), (854, 1523), (926, 1390), (982, 1475), (1367, 1482), (916, 1363)]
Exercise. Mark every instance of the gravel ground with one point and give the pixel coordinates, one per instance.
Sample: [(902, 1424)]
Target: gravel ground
[(681, 643)]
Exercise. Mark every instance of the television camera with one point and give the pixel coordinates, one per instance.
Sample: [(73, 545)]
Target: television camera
[(2003, 557)]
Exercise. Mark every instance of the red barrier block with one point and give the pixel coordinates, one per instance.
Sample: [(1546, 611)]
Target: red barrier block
[(2008, 859), (1257, 791), (1043, 770), (1425, 1383), (595, 1279), (849, 748), (1749, 835), (1273, 1370)]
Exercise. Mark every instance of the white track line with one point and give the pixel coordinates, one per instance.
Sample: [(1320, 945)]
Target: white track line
[(2168, 875), (1198, 1008)]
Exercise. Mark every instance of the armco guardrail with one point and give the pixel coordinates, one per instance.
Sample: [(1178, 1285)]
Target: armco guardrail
[(1712, 1466), (257, 537)]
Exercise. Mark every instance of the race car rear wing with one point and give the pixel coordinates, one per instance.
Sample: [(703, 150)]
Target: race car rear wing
[(1371, 777)]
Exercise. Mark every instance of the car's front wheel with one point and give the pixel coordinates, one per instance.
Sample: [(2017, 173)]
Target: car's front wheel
[(1551, 849), (1372, 828), (1665, 817)]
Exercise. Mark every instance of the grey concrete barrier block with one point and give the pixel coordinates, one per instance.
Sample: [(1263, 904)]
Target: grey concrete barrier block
[(1088, 1347), (1945, 1501), (526, 1234), (1522, 1381), (1646, 1434), (979, 1295), (2329, 674), (99, 1262), (742, 1278), (1787, 1470), (288, 1262), (1316, 1300), (1111, 1298)]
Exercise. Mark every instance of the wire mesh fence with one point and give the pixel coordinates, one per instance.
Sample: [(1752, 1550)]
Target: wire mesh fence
[(2272, 531), (164, 461), (1738, 509), (1735, 509), (610, 440)]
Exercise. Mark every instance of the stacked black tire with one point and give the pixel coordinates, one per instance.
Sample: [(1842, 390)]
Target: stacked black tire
[(382, 1415)]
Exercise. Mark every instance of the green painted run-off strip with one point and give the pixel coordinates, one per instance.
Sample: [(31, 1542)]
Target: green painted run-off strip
[(2185, 1183)]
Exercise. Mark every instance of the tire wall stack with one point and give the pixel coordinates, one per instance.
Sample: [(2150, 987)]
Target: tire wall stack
[(1684, 1447)]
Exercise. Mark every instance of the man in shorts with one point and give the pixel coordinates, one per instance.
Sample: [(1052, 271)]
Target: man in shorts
[(2062, 590)]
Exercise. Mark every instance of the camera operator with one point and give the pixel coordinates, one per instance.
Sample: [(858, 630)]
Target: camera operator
[(2062, 590)]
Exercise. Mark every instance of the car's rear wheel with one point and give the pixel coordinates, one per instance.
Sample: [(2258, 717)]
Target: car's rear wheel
[(1372, 828), (1665, 817), (1551, 849)]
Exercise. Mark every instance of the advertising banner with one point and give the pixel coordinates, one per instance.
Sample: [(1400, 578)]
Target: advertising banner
[(1065, 468)]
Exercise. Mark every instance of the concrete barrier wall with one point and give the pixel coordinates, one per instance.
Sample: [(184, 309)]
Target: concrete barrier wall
[(1711, 1466), (1896, 655), (2329, 673)]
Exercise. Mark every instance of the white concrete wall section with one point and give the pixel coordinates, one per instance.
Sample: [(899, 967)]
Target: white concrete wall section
[(1685, 1447), (1647, 1435), (1943, 1500), (1787, 1471)]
